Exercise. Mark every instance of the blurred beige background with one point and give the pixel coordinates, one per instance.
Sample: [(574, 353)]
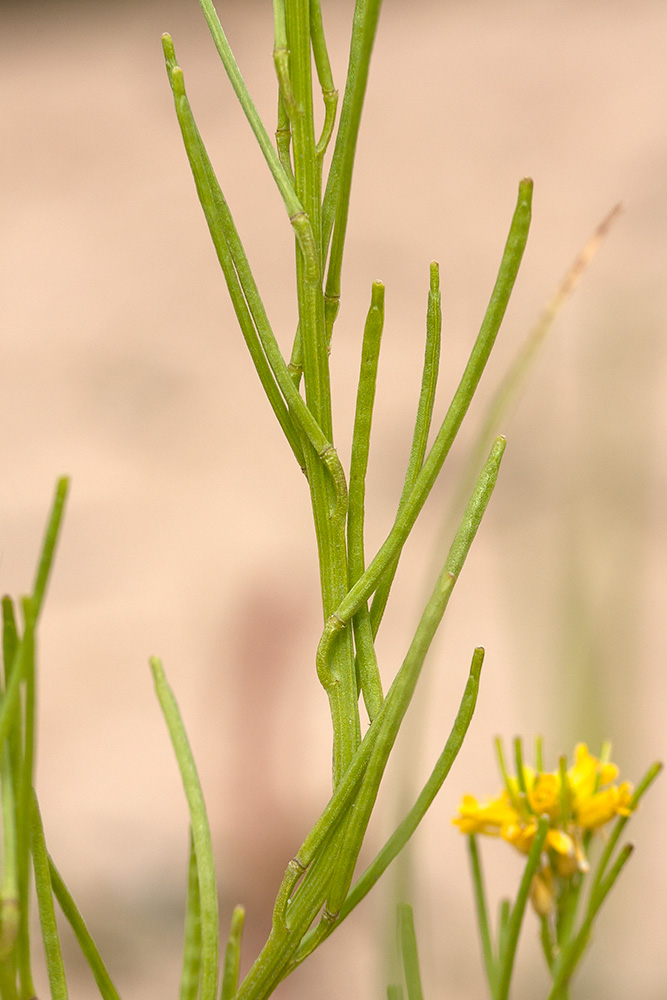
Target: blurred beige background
[(188, 532)]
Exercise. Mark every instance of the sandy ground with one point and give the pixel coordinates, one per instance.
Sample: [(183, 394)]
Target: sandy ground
[(188, 532)]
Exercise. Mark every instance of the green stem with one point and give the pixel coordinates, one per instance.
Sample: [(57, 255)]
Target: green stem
[(482, 914), (404, 831), (330, 531), (572, 951), (408, 940), (406, 680), (507, 953), (281, 59), (385, 728), (291, 920), (284, 139)]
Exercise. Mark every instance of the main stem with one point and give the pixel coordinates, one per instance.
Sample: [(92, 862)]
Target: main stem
[(328, 513)]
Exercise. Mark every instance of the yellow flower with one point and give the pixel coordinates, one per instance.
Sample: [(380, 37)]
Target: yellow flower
[(577, 801), (488, 818)]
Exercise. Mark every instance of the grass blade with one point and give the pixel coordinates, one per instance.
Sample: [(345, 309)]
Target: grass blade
[(511, 939)]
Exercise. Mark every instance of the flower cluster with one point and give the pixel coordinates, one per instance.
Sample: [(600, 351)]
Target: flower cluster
[(577, 801)]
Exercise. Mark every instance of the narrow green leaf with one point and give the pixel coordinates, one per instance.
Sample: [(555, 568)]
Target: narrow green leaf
[(9, 891), (10, 645), (192, 946), (24, 727), (231, 68), (367, 667), (230, 975), (242, 285), (47, 917), (49, 544), (370, 353), (11, 756), (393, 544), (336, 204), (201, 833), (421, 430), (77, 923), (19, 654), (238, 276), (24, 790), (10, 639)]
